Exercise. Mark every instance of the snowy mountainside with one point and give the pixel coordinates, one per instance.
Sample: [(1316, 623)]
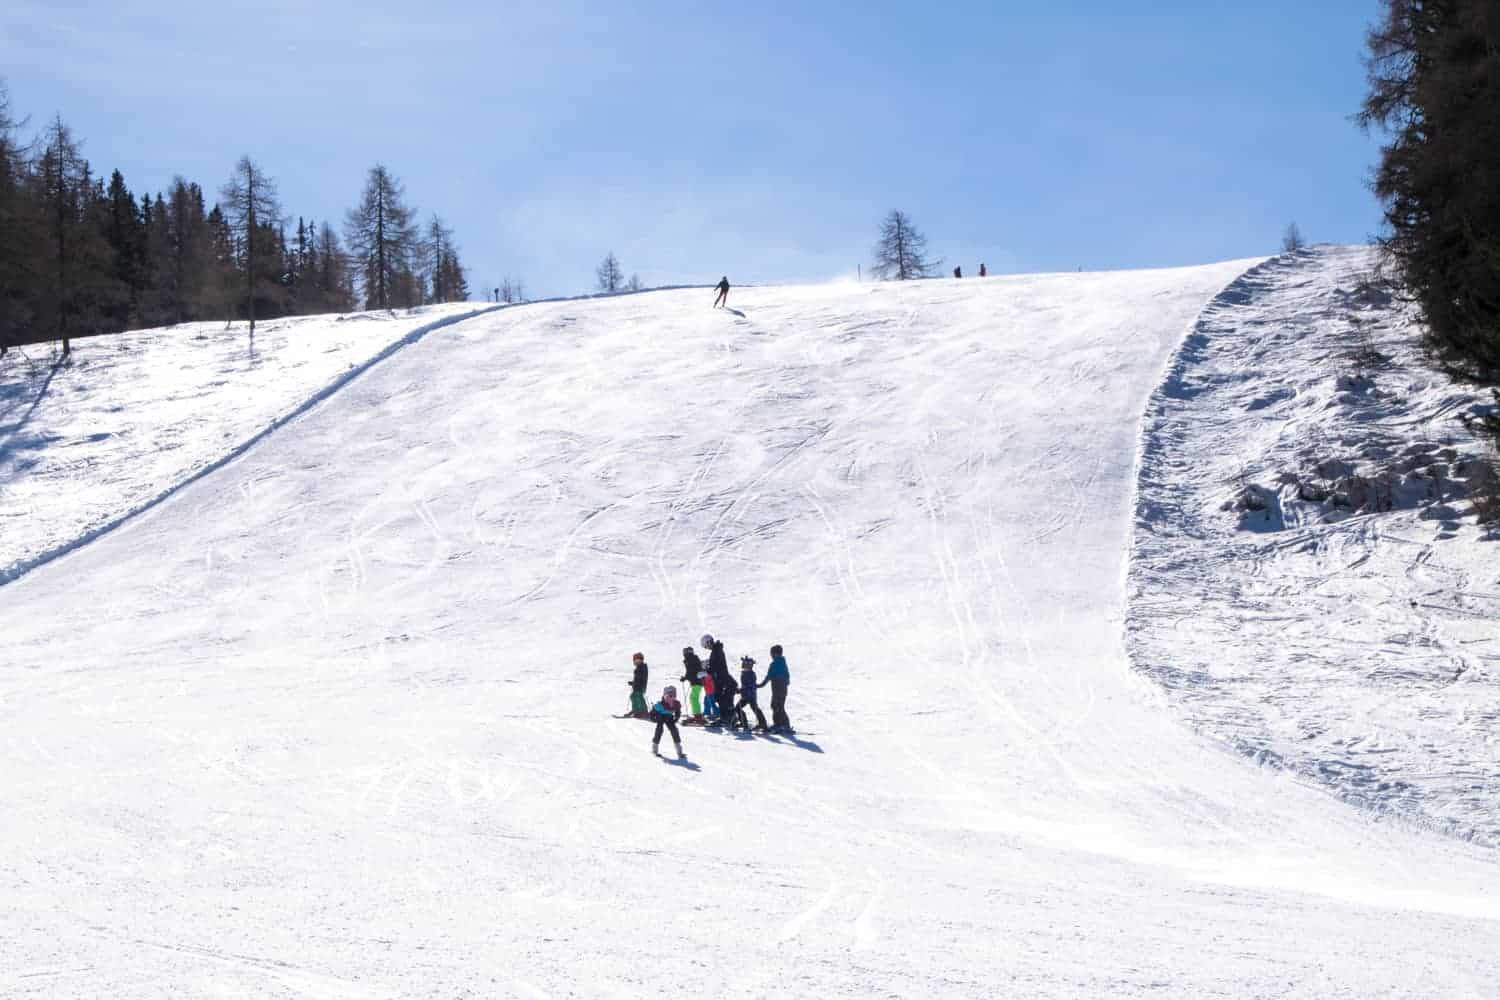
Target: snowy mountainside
[(334, 719), (1309, 583), (130, 416)]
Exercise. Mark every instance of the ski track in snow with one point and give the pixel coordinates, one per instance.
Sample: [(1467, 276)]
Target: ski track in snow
[(1358, 650), (333, 720)]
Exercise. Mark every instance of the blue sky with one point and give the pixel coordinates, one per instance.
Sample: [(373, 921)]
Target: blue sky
[(763, 140)]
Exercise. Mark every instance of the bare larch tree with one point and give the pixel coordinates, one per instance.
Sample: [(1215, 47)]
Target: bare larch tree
[(609, 275), (382, 240), (250, 205), (901, 253)]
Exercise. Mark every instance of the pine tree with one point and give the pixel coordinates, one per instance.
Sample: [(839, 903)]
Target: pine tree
[(446, 277), (190, 264), (1434, 76), (383, 242), (252, 210), (218, 292), (608, 276), (125, 235), (18, 249), (336, 281), (901, 253), (64, 187)]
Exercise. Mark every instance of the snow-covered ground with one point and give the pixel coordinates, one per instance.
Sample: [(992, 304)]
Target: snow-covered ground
[(332, 721), (129, 417), (1309, 581)]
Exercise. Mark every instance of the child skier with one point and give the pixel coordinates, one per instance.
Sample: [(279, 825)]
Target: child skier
[(666, 713), (710, 701), (780, 678), (638, 687), (747, 696), (692, 673)]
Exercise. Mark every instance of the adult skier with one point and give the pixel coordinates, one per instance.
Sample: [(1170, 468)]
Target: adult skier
[(723, 296), (724, 686), (638, 687), (983, 271), (780, 678), (665, 713)]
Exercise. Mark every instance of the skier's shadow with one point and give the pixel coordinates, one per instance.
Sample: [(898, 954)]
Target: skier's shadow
[(685, 764), (735, 311)]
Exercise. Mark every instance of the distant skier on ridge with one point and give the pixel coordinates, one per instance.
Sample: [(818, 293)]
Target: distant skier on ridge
[(723, 296)]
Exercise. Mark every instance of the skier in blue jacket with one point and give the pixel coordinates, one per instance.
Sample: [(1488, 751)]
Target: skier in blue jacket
[(780, 678)]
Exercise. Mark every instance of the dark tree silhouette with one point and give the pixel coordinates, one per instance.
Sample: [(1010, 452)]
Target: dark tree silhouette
[(1434, 77), (251, 207), (901, 253), (608, 275)]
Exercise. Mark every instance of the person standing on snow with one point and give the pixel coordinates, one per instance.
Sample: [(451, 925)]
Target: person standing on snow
[(983, 271), (638, 687), (723, 296), (692, 674), (780, 678), (665, 713), (718, 669), (958, 272), (747, 696)]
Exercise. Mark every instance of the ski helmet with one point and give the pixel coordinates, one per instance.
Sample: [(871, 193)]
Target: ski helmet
[(747, 661), (707, 641), (669, 692)]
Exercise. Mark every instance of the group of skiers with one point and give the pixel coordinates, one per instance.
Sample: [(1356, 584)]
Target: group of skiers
[(984, 272), (715, 697)]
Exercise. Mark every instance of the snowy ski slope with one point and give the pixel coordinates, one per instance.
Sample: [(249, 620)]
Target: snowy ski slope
[(132, 416), (1356, 645), (332, 721)]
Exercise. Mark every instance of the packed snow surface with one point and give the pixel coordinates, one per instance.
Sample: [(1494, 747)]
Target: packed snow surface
[(333, 720), (87, 440), (1309, 581)]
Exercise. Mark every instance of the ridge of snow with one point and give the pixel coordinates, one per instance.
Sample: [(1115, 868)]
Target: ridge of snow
[(1354, 647), (42, 525)]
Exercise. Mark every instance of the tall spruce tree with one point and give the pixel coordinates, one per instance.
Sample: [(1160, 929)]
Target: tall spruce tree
[(252, 209), (334, 283), (1434, 77), (17, 231), (383, 242), (446, 279)]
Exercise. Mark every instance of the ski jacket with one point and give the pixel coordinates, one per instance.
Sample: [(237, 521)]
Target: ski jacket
[(747, 683), (692, 668), (667, 708), (638, 679), (725, 689), (777, 671), (717, 663), (708, 683)]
